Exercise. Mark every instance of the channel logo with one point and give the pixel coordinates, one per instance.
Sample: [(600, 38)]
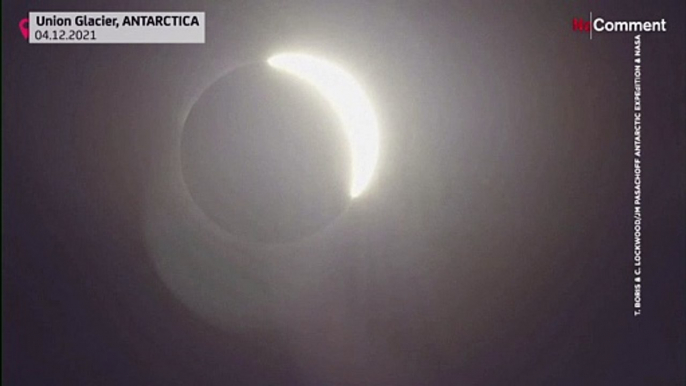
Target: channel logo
[(602, 25)]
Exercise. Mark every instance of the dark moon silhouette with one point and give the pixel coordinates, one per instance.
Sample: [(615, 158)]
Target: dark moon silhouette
[(263, 155)]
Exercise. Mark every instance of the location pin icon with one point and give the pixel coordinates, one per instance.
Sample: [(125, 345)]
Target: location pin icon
[(24, 27)]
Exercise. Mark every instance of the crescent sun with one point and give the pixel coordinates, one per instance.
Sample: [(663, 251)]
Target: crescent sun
[(351, 104)]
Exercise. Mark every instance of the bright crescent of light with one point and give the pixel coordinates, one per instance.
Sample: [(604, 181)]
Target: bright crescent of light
[(351, 104)]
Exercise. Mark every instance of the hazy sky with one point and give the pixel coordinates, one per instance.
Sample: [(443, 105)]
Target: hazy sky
[(494, 247)]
